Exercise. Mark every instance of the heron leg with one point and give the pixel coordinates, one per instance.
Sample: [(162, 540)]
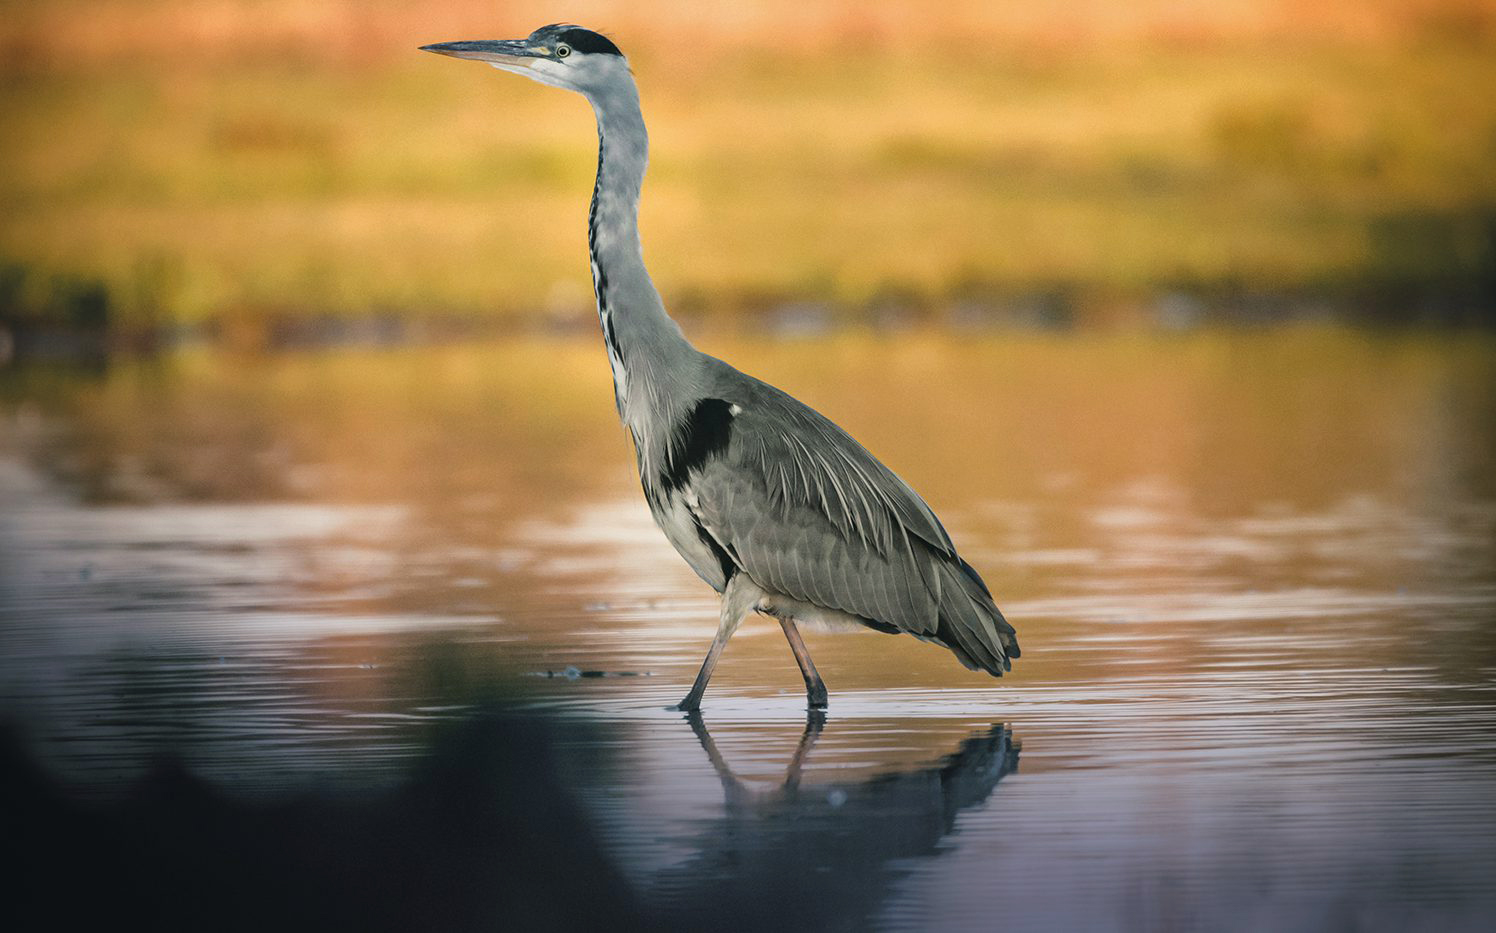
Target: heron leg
[(815, 688), (738, 599)]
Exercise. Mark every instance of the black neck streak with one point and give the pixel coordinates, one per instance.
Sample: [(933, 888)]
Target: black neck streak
[(599, 273)]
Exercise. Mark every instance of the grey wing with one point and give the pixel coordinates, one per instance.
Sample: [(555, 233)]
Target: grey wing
[(807, 511)]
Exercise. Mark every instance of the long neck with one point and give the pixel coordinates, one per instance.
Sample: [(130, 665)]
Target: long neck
[(644, 345)]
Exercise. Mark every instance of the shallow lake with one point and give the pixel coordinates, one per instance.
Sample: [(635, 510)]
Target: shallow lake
[(1253, 574)]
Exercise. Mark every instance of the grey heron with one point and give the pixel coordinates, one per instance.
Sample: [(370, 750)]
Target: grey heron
[(776, 507)]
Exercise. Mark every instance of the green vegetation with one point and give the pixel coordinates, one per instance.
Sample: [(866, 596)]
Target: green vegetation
[(258, 187)]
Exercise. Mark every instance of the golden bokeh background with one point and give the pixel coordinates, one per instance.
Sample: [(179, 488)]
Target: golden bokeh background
[(254, 165)]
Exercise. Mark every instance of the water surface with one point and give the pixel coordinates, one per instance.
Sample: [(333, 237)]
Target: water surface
[(1254, 576)]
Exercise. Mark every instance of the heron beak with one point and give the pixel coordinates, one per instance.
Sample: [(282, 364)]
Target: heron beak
[(511, 52)]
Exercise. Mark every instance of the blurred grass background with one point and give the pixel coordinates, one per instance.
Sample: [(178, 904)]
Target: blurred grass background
[(252, 167)]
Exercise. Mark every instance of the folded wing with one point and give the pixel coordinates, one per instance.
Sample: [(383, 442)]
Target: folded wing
[(806, 511)]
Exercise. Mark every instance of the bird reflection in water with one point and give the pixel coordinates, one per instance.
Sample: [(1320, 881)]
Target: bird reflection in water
[(818, 855)]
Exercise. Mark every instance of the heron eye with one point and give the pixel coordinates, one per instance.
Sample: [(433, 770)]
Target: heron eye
[(562, 51)]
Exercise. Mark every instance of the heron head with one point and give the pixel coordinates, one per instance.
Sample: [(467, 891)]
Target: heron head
[(561, 55)]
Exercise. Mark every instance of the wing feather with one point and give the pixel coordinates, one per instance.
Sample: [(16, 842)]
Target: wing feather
[(833, 472)]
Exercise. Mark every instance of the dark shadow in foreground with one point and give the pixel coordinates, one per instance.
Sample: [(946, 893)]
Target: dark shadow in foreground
[(483, 834)]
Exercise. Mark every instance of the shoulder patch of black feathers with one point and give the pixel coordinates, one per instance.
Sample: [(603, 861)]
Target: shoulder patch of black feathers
[(700, 435), (585, 40)]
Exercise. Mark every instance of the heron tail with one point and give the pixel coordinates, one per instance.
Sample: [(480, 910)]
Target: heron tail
[(971, 625)]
